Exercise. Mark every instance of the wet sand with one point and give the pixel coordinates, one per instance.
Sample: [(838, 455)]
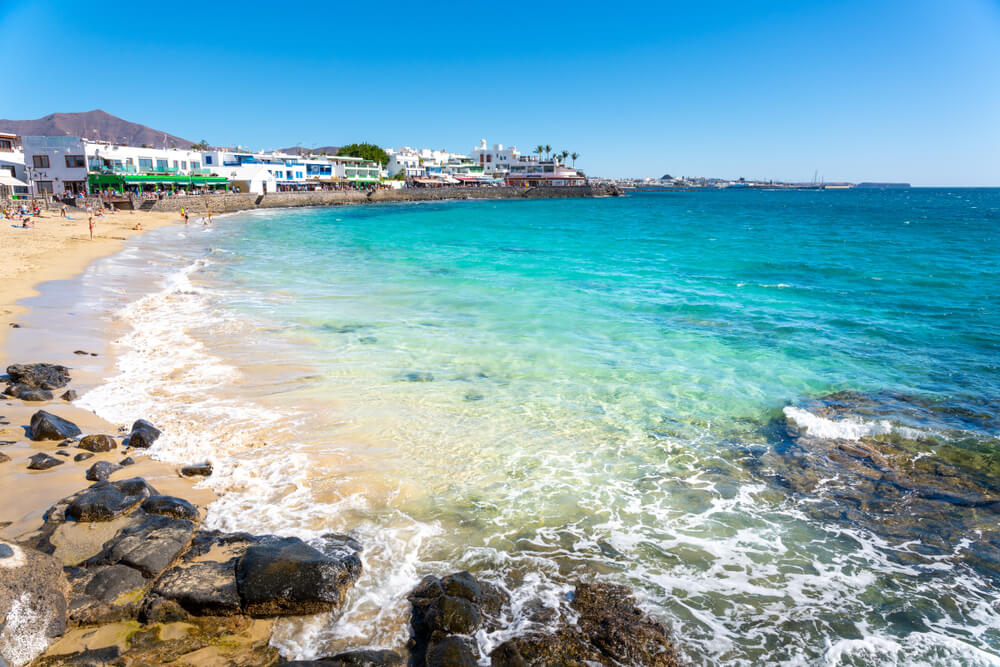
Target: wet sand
[(59, 249)]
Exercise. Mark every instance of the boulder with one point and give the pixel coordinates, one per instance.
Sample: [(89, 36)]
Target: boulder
[(127, 461), (199, 469), (42, 376), (287, 577), (105, 594), (105, 501), (101, 470), (171, 506), (70, 395), (202, 588), (452, 652), (43, 462), (28, 393), (143, 434), (32, 603), (150, 546), (4, 458), (63, 452), (98, 443), (83, 456), (47, 426), (457, 604)]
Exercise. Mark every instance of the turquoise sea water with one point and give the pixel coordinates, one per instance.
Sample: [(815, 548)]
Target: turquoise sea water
[(543, 391)]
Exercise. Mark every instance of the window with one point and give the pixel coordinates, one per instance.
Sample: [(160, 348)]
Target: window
[(184, 164), (208, 159), (197, 165), (75, 161), (161, 165), (40, 162), (175, 164), (146, 163), (128, 161), (6, 145), (43, 186), (298, 174)]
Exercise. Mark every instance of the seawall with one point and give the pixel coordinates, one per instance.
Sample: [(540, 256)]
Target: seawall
[(230, 203)]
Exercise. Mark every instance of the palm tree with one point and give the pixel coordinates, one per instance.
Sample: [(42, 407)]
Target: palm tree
[(548, 149), (574, 156), (564, 155), (539, 149)]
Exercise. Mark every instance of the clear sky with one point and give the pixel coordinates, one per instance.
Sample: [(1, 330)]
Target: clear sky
[(858, 90)]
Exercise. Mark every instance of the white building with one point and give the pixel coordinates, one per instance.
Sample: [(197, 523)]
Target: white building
[(13, 179), (525, 170), (62, 165), (296, 172)]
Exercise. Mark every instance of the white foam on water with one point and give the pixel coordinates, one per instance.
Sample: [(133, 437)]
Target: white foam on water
[(849, 428)]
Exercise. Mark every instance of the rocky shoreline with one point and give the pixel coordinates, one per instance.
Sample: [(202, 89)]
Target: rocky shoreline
[(233, 203), (121, 574)]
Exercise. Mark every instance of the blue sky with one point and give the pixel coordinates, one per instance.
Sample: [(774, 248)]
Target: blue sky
[(856, 90)]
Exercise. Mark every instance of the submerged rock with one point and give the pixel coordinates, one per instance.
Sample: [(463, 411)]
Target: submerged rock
[(359, 658), (43, 462), (143, 434), (41, 376), (32, 602), (47, 426), (98, 443), (907, 469), (610, 630)]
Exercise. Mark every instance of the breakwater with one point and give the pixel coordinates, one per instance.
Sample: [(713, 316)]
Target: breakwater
[(230, 203)]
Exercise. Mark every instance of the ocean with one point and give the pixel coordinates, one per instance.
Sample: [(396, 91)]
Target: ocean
[(727, 400)]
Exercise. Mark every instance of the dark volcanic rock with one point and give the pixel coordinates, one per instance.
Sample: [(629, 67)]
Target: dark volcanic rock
[(83, 456), (98, 443), (908, 469), (105, 501), (43, 462), (62, 452), (452, 652), (610, 630), (127, 461), (198, 469), (105, 594), (42, 376), (202, 588), (31, 581), (47, 426), (70, 396), (101, 470), (28, 393), (143, 434), (171, 506), (457, 604), (4, 458), (150, 546), (360, 658), (288, 577)]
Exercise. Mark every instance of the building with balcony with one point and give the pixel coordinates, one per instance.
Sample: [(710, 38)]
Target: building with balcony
[(524, 170), (71, 165)]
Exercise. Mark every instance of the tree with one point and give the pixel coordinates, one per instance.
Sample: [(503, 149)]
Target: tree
[(539, 149), (200, 146), (399, 175), (366, 151), (548, 149), (574, 156), (564, 155)]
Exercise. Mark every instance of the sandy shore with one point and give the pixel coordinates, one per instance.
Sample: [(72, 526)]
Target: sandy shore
[(59, 249)]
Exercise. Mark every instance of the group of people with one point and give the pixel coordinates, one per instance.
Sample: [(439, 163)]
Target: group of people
[(24, 213), (205, 221)]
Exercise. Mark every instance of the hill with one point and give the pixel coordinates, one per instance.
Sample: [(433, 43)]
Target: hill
[(98, 125)]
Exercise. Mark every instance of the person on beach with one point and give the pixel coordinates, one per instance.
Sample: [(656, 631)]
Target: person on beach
[(184, 215), (186, 219), (26, 223), (138, 226), (62, 210), (91, 228)]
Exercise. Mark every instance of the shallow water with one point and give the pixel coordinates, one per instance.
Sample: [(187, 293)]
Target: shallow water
[(543, 391)]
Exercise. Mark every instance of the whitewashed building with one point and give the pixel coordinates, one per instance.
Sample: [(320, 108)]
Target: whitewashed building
[(13, 179), (524, 170)]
